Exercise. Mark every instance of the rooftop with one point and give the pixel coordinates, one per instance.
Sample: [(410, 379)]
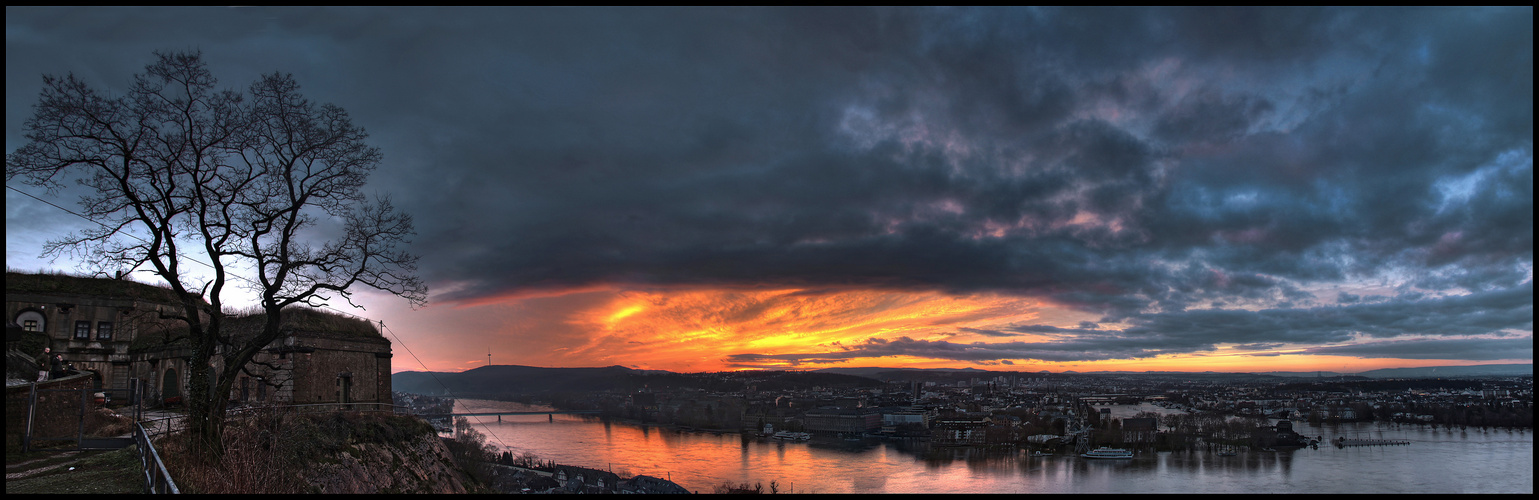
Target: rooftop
[(66, 284), (297, 319)]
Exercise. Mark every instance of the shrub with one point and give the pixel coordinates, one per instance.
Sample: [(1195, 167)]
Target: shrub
[(269, 449), (105, 422)]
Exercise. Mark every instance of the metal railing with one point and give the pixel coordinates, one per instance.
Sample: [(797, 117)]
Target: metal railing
[(157, 480)]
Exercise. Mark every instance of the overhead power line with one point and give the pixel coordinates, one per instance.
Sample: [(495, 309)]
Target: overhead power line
[(183, 256)]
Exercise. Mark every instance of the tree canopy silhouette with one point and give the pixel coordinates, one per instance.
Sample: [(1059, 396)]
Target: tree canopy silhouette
[(261, 186)]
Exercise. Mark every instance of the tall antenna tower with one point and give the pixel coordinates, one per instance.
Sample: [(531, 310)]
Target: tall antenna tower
[(488, 356)]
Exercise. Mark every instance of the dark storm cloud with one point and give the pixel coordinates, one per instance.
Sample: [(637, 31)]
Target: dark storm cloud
[(1480, 313), (989, 333), (1133, 163), (904, 138)]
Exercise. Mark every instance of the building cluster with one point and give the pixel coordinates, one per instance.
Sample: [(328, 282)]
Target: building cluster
[(1442, 401), (569, 479), (420, 404), (1040, 409)]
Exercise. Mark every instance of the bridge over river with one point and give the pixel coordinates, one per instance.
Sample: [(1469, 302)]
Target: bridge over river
[(501, 413)]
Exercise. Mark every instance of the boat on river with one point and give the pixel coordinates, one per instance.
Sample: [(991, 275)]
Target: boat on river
[(1040, 454), (1105, 452), (793, 436)]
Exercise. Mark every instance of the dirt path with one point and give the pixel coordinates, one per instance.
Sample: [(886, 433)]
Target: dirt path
[(23, 472)]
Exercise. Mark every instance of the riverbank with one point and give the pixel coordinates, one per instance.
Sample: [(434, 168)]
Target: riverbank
[(1436, 461)]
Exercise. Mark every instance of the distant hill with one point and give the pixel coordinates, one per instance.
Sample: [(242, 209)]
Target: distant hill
[(1501, 370), (502, 380), (874, 371), (1320, 374), (1495, 370), (511, 379), (1454, 371), (953, 374), (518, 379)]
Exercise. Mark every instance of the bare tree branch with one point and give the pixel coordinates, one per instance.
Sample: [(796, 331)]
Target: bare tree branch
[(181, 176)]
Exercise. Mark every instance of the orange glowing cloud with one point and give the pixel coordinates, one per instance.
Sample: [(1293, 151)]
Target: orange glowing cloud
[(695, 328)]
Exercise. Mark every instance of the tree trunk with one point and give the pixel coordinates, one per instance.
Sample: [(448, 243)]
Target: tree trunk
[(205, 412)]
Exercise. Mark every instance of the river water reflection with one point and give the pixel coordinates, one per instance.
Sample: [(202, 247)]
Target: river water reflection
[(1436, 461)]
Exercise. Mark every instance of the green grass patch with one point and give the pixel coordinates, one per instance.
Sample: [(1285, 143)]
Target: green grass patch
[(114, 471), (43, 452)]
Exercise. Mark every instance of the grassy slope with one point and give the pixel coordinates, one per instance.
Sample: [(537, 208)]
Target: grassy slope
[(315, 439), (95, 472)]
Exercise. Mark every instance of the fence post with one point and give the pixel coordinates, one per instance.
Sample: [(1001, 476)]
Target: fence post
[(85, 400), (26, 441), (133, 398)]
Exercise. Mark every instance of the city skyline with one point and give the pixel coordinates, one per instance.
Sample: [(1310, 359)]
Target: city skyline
[(694, 189)]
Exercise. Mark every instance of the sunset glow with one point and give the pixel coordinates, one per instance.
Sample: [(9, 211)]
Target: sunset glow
[(701, 189), (699, 329)]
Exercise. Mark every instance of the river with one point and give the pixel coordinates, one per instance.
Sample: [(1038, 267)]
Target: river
[(1436, 461)]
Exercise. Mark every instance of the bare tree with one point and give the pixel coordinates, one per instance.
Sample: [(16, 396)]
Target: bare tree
[(178, 172)]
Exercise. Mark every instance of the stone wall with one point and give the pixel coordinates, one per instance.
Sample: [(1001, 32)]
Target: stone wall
[(122, 316), (318, 375), (312, 363)]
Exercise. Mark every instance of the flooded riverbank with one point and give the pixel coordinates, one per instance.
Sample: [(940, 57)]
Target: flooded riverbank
[(1436, 461)]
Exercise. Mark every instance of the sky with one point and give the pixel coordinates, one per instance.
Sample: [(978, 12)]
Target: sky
[(705, 189)]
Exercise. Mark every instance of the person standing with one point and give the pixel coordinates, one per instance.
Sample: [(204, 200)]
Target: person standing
[(56, 366), (43, 360)]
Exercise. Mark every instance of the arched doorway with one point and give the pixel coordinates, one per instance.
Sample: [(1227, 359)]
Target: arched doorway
[(170, 385)]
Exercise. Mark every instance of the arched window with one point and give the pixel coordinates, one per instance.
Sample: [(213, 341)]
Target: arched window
[(32, 320)]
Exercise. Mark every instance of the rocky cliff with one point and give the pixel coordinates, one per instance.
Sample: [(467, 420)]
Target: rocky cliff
[(418, 465), (278, 451)]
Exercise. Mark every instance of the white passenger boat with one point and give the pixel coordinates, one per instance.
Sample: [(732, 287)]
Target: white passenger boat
[(793, 436), (1104, 452)]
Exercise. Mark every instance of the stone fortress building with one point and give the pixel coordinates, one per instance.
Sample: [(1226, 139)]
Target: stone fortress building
[(115, 328)]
